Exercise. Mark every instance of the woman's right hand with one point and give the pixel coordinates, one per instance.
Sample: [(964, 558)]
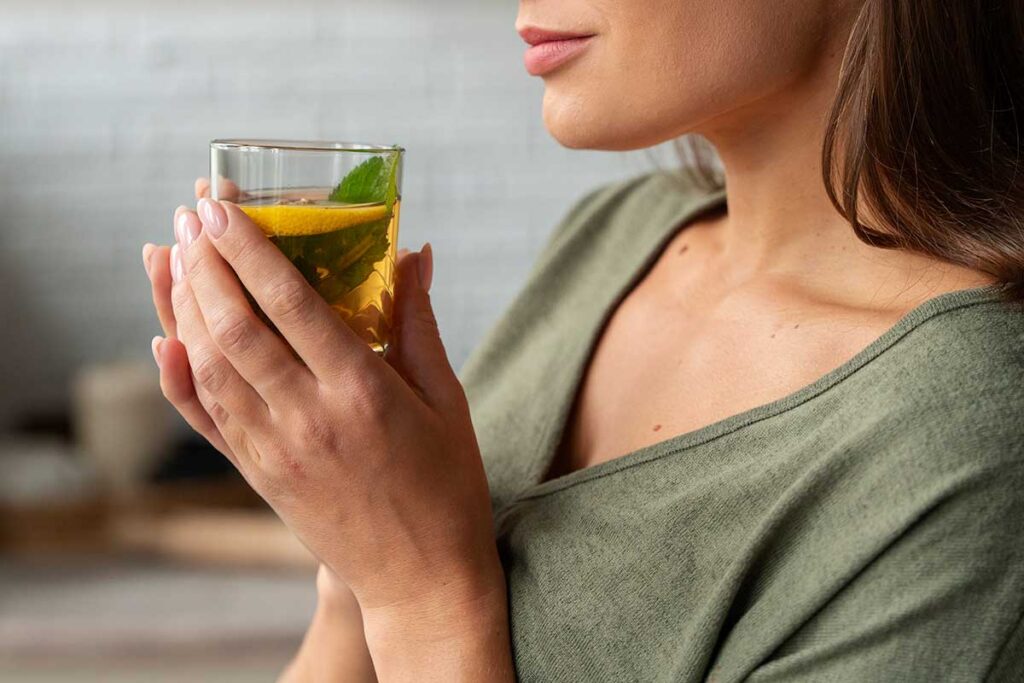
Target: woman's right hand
[(335, 643)]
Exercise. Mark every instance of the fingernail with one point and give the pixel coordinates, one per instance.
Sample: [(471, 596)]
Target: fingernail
[(147, 253), (187, 229), (157, 344), (177, 269), (178, 237), (215, 219), (426, 266)]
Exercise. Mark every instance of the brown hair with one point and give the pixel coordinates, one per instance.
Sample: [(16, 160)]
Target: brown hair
[(924, 135)]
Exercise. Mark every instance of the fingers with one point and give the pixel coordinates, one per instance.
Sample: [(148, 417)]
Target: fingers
[(234, 434), (226, 189), (211, 371), (306, 321), (260, 357), (157, 260), (176, 384), (417, 352)]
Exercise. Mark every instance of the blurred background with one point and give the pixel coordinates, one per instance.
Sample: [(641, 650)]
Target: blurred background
[(128, 549)]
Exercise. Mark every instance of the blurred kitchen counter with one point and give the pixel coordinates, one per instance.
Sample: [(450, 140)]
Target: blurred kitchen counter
[(190, 580), (254, 668), (219, 522), (79, 619)]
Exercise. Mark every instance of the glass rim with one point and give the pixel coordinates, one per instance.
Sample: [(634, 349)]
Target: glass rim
[(305, 145)]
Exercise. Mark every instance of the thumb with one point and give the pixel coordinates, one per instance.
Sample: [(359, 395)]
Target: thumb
[(416, 351)]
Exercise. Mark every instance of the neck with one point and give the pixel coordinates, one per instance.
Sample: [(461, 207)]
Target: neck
[(780, 221)]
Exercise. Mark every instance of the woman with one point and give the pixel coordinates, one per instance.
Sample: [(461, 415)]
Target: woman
[(765, 432)]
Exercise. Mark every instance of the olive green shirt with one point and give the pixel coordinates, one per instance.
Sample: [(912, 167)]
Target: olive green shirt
[(868, 527)]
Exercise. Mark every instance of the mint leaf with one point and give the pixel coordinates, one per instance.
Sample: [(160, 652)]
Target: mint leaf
[(370, 182), (344, 258), (391, 193), (354, 257)]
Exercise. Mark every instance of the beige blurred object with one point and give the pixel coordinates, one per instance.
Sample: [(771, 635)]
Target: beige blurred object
[(238, 538), (121, 422), (48, 498)]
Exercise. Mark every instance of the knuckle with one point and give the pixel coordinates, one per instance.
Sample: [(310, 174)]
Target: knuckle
[(209, 371), (217, 413), (241, 253), (234, 332), (269, 479), (197, 262), (425, 320), (371, 397), (289, 300), (179, 295), (316, 432), (280, 469)]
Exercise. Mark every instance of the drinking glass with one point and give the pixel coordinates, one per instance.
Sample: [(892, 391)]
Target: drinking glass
[(332, 208)]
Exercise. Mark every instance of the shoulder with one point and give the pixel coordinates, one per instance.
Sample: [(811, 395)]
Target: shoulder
[(969, 360), (918, 502), (625, 201), (948, 398)]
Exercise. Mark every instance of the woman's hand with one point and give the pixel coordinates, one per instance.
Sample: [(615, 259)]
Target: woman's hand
[(335, 646), (373, 463)]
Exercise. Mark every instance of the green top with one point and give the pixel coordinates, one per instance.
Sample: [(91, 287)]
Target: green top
[(867, 527)]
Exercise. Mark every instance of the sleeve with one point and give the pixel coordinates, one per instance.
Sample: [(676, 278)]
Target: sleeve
[(943, 602)]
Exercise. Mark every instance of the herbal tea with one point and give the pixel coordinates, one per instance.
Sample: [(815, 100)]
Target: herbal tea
[(345, 251), (332, 209)]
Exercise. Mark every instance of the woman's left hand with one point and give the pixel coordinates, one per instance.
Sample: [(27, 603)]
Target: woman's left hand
[(372, 462)]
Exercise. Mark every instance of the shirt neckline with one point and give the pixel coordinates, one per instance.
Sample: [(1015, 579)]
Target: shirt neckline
[(551, 439)]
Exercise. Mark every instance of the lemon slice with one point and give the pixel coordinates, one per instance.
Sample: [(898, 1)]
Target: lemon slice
[(295, 220)]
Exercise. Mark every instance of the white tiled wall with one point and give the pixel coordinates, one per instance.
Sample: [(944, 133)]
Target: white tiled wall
[(106, 108)]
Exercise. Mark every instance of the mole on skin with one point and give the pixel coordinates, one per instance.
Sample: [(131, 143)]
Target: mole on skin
[(656, 427)]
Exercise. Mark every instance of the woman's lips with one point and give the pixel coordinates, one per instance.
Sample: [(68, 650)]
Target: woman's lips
[(549, 49)]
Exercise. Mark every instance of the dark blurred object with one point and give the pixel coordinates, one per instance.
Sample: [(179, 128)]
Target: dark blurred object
[(193, 457), (55, 422)]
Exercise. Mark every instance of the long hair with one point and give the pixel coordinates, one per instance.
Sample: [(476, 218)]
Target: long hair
[(924, 135)]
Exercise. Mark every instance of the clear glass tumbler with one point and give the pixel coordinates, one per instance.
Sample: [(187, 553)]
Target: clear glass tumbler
[(332, 208)]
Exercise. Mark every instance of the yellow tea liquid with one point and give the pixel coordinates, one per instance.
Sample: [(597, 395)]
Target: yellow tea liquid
[(346, 252)]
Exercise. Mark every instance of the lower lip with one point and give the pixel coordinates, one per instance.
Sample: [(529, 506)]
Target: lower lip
[(546, 57)]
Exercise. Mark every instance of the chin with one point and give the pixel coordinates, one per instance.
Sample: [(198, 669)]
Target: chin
[(588, 123)]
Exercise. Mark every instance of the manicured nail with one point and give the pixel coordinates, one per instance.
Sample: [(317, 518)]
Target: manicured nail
[(178, 227), (177, 269), (215, 219), (426, 266), (187, 229), (177, 215), (147, 253), (158, 347)]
